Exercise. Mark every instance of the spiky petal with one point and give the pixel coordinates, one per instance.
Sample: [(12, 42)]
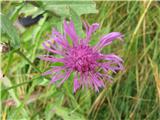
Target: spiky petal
[(89, 66)]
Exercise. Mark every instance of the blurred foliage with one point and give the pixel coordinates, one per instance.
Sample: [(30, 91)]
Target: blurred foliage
[(7, 27), (135, 92)]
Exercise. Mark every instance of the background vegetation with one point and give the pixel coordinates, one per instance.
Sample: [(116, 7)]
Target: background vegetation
[(135, 92)]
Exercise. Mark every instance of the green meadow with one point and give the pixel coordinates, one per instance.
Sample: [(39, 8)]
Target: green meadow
[(134, 93)]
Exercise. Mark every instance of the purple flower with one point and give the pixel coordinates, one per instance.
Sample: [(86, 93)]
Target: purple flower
[(89, 66)]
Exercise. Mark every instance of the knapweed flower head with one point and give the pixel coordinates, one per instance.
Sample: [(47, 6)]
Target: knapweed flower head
[(89, 66)]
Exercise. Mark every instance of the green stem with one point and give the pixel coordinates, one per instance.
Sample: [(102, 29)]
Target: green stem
[(22, 55)]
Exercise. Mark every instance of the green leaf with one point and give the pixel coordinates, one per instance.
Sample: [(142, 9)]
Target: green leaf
[(7, 83), (67, 114), (31, 10), (62, 8), (9, 29), (77, 22)]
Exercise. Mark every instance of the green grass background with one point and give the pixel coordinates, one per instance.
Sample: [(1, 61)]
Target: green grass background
[(135, 92)]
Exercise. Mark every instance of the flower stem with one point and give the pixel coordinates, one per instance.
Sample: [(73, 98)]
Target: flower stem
[(22, 55)]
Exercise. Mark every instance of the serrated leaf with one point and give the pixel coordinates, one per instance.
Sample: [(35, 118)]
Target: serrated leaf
[(9, 29), (62, 8)]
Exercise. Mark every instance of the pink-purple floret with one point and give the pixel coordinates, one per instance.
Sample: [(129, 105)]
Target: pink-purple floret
[(89, 66)]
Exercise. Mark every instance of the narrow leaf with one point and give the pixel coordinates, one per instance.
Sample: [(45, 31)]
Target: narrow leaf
[(9, 29)]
